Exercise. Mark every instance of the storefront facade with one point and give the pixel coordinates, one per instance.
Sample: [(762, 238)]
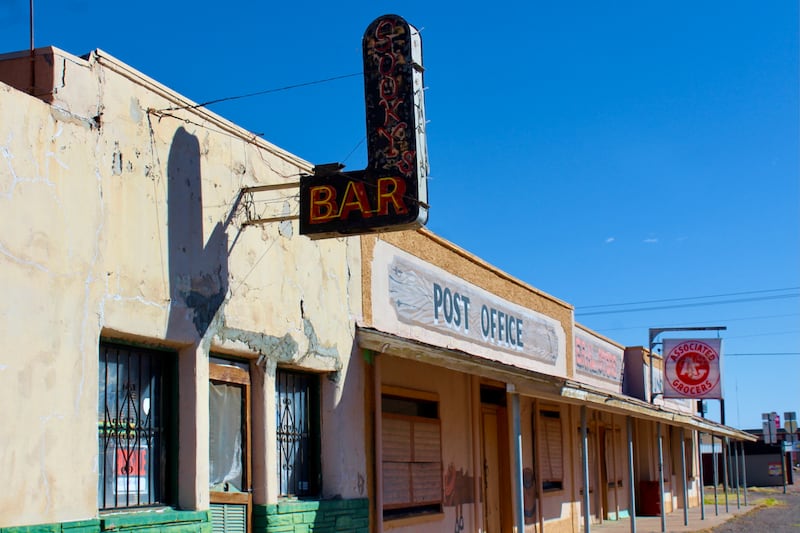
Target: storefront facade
[(178, 358), (492, 410)]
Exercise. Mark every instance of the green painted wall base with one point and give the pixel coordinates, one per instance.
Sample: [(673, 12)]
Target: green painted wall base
[(157, 521), (325, 516)]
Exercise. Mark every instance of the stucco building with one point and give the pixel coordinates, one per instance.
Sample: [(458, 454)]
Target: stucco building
[(170, 365)]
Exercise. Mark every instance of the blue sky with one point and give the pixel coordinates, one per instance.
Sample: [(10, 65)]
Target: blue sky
[(604, 152)]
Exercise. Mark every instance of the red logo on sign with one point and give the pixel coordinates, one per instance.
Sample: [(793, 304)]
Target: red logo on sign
[(692, 370)]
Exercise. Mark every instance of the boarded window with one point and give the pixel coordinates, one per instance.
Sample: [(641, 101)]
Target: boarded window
[(614, 457), (551, 448), (412, 456)]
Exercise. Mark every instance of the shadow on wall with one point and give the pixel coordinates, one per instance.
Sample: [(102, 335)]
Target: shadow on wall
[(198, 270)]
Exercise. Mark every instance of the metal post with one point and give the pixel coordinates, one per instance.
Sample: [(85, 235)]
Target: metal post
[(744, 473), (661, 478), (702, 479), (783, 465), (585, 459), (631, 477), (520, 502), (683, 477), (716, 475), (736, 473), (378, 437), (725, 480)]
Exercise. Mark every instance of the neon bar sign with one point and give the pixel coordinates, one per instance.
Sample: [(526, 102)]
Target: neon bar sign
[(391, 193)]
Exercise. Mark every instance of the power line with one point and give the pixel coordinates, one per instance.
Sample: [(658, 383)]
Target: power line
[(688, 298), (759, 354), (720, 320), (266, 91), (697, 304)]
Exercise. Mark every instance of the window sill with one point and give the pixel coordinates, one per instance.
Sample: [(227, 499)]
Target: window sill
[(392, 523), (118, 519)]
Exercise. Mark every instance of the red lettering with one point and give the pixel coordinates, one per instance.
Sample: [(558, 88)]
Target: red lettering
[(391, 109), (323, 204), (391, 192), (384, 34), (395, 132), (355, 199)]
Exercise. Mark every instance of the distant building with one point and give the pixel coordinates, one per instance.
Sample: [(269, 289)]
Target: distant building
[(168, 364)]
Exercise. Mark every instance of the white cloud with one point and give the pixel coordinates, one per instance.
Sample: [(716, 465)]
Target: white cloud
[(651, 240), (610, 240)]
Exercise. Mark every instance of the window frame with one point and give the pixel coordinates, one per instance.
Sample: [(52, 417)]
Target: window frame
[(423, 463), (310, 444), (160, 459), (546, 415)]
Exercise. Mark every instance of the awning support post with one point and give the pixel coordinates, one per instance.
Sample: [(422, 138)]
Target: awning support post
[(683, 478), (744, 473), (702, 479), (631, 477), (661, 478), (519, 515), (585, 460)]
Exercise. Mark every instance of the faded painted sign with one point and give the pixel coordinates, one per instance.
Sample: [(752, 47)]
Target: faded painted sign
[(597, 358), (461, 314)]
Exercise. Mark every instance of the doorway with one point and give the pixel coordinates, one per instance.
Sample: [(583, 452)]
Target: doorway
[(495, 458), (230, 478)]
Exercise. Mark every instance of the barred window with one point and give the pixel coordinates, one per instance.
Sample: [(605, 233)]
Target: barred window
[(132, 427), (297, 404), (412, 455)]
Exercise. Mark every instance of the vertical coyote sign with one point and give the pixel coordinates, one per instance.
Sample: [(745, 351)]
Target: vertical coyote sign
[(692, 368), (391, 193)]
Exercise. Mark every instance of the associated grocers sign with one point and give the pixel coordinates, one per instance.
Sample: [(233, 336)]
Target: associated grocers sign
[(692, 368)]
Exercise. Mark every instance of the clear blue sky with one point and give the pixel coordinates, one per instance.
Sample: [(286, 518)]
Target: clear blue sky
[(604, 152)]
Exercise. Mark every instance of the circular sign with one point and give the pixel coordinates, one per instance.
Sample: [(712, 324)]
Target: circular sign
[(692, 370)]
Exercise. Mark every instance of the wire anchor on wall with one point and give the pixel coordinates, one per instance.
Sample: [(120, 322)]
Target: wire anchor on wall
[(248, 195)]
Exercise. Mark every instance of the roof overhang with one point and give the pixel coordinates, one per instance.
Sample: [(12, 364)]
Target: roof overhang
[(536, 384)]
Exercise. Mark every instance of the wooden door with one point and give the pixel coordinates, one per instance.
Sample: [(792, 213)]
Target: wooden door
[(497, 511), (229, 447)]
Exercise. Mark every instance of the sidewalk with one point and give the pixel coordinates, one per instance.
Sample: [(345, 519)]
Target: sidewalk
[(675, 519)]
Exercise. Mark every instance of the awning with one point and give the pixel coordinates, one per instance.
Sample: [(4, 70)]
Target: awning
[(537, 384), (580, 393)]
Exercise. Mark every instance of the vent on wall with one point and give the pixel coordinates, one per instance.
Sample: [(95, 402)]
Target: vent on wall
[(228, 518)]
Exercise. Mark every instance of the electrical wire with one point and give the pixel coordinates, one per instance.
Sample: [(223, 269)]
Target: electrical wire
[(689, 298), (696, 304), (266, 91), (759, 354), (720, 320)]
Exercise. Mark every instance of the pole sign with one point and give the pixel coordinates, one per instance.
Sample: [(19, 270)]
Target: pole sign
[(790, 421), (392, 192), (768, 427), (692, 368)]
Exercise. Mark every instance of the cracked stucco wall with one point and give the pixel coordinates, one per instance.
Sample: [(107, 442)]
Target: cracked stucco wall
[(126, 222)]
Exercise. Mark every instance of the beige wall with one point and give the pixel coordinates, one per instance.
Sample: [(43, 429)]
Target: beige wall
[(128, 223)]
